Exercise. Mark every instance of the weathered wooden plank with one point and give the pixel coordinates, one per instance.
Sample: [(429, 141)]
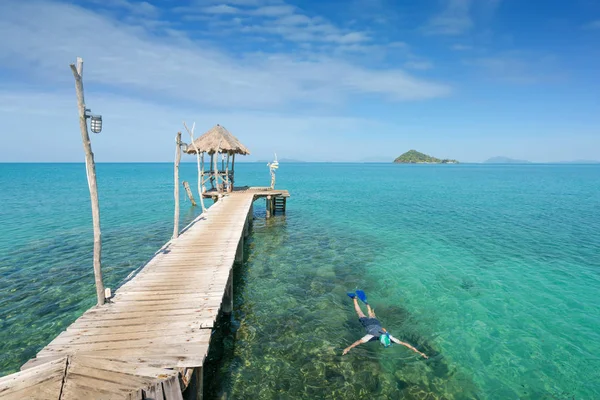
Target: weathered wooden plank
[(130, 346), (42, 382), (95, 337), (146, 315)]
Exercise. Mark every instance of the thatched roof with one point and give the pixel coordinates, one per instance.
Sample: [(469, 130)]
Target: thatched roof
[(218, 139)]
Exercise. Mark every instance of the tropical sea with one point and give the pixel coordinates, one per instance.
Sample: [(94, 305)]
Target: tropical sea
[(491, 270)]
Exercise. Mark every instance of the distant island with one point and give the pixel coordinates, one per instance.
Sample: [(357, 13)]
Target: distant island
[(414, 157), (505, 160)]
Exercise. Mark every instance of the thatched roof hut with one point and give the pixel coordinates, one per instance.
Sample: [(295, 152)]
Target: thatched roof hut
[(218, 139)]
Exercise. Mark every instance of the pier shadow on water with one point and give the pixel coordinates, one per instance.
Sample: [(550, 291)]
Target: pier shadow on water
[(292, 320)]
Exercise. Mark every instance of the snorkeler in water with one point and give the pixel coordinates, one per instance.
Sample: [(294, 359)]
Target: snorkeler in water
[(373, 327)]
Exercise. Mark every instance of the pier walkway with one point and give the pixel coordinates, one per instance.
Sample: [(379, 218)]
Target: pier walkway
[(151, 340)]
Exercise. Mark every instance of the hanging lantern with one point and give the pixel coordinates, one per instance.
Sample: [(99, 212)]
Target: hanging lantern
[(96, 123)]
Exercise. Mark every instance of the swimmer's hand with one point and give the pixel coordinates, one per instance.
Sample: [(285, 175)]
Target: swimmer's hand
[(364, 339)]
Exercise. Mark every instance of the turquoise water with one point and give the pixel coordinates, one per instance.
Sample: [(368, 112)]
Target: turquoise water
[(494, 271)]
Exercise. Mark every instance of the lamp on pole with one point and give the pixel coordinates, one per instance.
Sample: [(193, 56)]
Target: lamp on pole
[(90, 166)]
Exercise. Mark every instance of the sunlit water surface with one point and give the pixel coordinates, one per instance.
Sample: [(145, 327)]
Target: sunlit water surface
[(493, 271)]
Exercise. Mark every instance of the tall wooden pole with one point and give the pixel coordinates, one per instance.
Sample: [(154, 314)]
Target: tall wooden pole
[(90, 167), (176, 193)]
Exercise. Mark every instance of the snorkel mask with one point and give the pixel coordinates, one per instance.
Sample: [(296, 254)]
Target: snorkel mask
[(385, 339)]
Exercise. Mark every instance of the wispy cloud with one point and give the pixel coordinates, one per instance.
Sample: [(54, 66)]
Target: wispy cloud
[(517, 67), (221, 9), (461, 47), (455, 19), (281, 20), (127, 124), (419, 65), (136, 8), (274, 11), (133, 59), (458, 17), (592, 25)]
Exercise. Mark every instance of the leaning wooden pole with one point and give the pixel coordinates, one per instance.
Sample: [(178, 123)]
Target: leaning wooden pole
[(186, 186), (200, 175), (90, 167), (176, 192)]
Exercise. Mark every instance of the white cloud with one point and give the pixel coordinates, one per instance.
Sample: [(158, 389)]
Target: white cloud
[(274, 11), (221, 9), (453, 20), (136, 8), (130, 58)]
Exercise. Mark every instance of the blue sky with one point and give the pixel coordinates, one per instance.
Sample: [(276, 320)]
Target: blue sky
[(314, 80)]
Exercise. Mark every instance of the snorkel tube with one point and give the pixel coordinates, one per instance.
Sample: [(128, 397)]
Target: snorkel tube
[(385, 338)]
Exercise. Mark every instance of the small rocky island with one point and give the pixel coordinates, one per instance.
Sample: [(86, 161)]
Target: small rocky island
[(414, 157)]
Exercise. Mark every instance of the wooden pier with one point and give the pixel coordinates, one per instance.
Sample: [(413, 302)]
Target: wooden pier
[(150, 341)]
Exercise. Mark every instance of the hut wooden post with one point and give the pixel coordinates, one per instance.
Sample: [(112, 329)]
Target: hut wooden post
[(90, 167), (212, 173), (216, 172), (232, 171), (268, 206), (202, 187), (227, 175), (176, 192)]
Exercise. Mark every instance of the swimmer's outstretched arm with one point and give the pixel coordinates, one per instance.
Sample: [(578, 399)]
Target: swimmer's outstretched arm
[(393, 339), (364, 339)]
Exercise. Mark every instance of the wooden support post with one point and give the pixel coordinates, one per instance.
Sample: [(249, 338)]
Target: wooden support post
[(202, 187), (200, 383), (239, 254), (227, 306), (232, 171), (176, 177), (227, 175), (284, 205), (216, 167), (90, 167), (189, 192), (212, 174), (268, 205), (247, 226), (195, 390)]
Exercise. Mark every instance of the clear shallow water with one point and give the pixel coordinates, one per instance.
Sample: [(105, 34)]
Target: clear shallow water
[(494, 271)]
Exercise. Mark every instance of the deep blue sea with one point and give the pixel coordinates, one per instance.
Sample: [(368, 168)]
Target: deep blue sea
[(492, 270)]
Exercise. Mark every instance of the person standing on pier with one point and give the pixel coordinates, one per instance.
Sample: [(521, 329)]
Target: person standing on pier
[(373, 327)]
